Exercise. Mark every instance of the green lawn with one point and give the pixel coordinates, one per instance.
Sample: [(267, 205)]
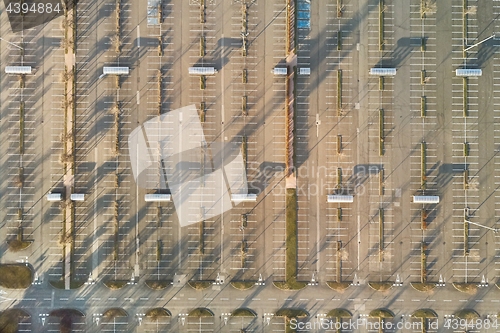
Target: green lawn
[(115, 284), (158, 284), (156, 313), (200, 312), (9, 320), (242, 312), (243, 285), (15, 276), (115, 313), (200, 285), (291, 235), (291, 282)]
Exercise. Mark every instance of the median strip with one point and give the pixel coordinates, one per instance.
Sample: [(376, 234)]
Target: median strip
[(381, 131), (423, 166), (291, 282)]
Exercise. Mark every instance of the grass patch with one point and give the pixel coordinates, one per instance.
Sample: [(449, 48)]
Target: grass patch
[(242, 312), (427, 7), (21, 128), (244, 18), (339, 313), (465, 101), (73, 284), (423, 287), (202, 112), (466, 240), (158, 250), (292, 285), (244, 105), (295, 113), (423, 263), (381, 313), (380, 231), (338, 286), (202, 14), (200, 285), (19, 180), (57, 284), (66, 316), (381, 182), (160, 46), (115, 284), (202, 46), (381, 131), (22, 81), (423, 219), (158, 284), (380, 286), (65, 324), (15, 276), (380, 83), (244, 219), (339, 89), (340, 8), (291, 282), (202, 82), (468, 288), (288, 326), (339, 178), (381, 25), (16, 245), (243, 253), (423, 165), (424, 313), (9, 320), (291, 234), (156, 313), (423, 106), (201, 241), (115, 313), (66, 313), (467, 314), (200, 312), (291, 313), (19, 243), (243, 285), (244, 152)]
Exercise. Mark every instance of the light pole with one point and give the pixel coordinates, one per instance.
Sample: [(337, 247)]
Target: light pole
[(467, 48), (466, 220), (466, 238), (495, 230), (19, 47)]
